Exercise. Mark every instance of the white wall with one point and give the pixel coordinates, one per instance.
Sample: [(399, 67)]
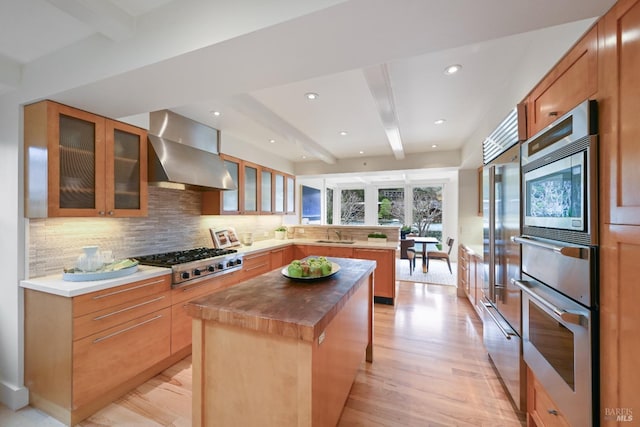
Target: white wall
[(469, 223), (12, 392)]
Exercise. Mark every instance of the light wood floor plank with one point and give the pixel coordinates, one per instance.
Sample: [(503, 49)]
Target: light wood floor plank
[(430, 370)]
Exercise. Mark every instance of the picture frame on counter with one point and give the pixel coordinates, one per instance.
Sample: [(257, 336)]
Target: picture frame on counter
[(224, 237)]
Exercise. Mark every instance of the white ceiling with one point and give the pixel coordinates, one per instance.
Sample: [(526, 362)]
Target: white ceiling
[(377, 66)]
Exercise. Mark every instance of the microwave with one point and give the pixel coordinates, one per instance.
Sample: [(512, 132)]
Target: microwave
[(559, 179)]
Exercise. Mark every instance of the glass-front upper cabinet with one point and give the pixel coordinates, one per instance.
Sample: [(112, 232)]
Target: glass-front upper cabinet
[(82, 164), (266, 197), (231, 198), (126, 170), (251, 187), (278, 192), (291, 195)]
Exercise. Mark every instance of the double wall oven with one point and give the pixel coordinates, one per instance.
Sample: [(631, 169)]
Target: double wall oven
[(559, 282)]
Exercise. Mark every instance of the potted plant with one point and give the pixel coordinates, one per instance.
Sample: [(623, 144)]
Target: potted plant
[(377, 237), (280, 232), (406, 229)]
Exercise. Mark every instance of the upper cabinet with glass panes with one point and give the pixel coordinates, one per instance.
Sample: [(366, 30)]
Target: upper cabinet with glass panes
[(82, 164)]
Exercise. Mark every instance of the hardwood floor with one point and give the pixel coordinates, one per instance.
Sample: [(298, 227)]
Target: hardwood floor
[(429, 369)]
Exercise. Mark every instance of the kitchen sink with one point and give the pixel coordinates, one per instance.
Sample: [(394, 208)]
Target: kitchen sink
[(340, 242)]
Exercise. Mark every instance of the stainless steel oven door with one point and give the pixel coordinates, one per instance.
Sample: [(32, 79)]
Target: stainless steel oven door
[(556, 345)]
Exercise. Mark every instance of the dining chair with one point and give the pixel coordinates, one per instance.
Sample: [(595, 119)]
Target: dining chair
[(407, 251), (441, 255)]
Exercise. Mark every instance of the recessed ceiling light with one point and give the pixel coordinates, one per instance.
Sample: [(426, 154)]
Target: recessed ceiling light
[(272, 141), (361, 152), (439, 121), (343, 133), (215, 113), (311, 95), (434, 146), (452, 69), (304, 157)]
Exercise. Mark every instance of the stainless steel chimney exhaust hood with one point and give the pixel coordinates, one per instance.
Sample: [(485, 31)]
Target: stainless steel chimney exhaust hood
[(183, 154)]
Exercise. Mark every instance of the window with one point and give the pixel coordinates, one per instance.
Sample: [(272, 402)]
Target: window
[(329, 205), (352, 207), (311, 198), (390, 206), (427, 211)]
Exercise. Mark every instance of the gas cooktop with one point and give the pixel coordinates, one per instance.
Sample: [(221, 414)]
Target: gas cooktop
[(169, 259), (192, 264)]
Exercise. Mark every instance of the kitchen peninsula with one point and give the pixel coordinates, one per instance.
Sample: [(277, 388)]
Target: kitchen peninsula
[(277, 352)]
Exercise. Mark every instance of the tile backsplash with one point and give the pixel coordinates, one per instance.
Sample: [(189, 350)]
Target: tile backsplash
[(174, 223)]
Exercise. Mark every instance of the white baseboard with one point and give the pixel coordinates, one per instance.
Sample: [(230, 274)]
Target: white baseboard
[(13, 397)]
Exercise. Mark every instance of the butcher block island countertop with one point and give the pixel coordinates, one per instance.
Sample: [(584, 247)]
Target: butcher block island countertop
[(273, 351)]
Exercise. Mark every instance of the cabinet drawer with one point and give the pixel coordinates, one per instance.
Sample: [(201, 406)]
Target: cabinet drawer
[(100, 300), (111, 357), (95, 322), (257, 264), (543, 411)]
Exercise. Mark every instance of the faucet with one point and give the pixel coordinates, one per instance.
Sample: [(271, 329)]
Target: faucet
[(339, 234)]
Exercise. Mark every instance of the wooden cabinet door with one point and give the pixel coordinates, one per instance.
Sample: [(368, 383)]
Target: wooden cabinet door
[(180, 321), (573, 80), (479, 284), (281, 257), (463, 270), (95, 166), (619, 111), (126, 170), (76, 146), (384, 285), (619, 320)]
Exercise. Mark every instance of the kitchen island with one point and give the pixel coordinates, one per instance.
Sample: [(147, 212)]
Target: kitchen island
[(272, 351)]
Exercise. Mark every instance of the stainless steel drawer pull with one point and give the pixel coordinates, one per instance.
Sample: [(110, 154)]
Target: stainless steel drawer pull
[(256, 267), (97, 340), (570, 251), (567, 316), (155, 282), (552, 411), (507, 334), (104, 316)]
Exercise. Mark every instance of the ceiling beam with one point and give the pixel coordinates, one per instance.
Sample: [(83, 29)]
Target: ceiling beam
[(101, 15), (380, 86), (253, 109), (10, 73)]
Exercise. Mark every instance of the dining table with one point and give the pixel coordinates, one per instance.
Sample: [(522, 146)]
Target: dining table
[(424, 242)]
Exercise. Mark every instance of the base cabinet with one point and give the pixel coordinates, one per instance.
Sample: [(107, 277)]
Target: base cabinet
[(81, 353), (385, 273), (384, 278), (470, 278)]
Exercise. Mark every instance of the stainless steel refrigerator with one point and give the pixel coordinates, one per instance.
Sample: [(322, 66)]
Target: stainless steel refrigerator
[(502, 328)]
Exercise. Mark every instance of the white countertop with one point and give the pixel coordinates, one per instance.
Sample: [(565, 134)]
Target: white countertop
[(53, 284), (263, 245)]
